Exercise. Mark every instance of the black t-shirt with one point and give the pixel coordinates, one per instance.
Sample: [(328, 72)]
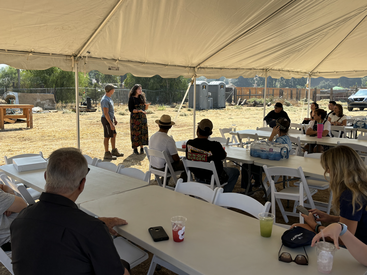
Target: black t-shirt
[(273, 115), (213, 151)]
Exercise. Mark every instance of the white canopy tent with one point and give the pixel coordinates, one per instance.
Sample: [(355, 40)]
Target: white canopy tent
[(231, 38)]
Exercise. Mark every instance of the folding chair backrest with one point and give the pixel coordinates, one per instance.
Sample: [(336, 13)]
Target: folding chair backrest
[(6, 261), (294, 131), (362, 136), (135, 173), (168, 169), (91, 161), (361, 150), (224, 131), (297, 126), (223, 141), (242, 137), (210, 166), (264, 129), (196, 189), (19, 188), (240, 201), (338, 131), (10, 160), (297, 143), (108, 166)]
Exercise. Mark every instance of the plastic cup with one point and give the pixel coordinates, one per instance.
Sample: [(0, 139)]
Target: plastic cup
[(184, 144), (325, 256), (266, 224), (178, 228)]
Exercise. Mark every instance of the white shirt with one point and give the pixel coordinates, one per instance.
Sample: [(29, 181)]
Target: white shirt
[(6, 201), (335, 118), (327, 126), (162, 142)]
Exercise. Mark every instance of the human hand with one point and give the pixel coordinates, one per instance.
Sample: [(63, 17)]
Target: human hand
[(275, 131), (310, 220), (112, 127), (323, 217), (332, 231), (115, 122), (111, 222), (8, 213)]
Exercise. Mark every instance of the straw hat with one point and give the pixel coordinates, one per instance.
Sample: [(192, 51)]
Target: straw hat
[(165, 120)]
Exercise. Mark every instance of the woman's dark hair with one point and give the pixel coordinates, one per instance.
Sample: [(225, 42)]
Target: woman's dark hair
[(340, 107), (284, 125), (133, 93), (321, 112), (205, 133), (316, 105)]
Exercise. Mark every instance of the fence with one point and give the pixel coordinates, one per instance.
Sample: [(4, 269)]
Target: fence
[(285, 93), (67, 95)]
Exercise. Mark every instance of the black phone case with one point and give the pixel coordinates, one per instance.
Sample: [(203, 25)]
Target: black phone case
[(158, 234)]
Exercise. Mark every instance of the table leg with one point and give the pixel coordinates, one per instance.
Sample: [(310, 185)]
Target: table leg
[(2, 118), (30, 118), (248, 177)]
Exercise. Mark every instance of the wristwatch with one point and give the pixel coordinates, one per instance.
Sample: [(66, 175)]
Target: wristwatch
[(344, 228)]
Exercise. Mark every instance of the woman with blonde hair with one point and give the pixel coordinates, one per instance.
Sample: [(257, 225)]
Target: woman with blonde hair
[(348, 184)]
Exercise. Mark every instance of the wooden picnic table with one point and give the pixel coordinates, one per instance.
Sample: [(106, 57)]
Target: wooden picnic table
[(27, 113)]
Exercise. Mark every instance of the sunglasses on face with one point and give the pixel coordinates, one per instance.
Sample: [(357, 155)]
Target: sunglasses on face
[(287, 258)]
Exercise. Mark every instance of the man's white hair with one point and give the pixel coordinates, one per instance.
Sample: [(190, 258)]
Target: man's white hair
[(65, 169)]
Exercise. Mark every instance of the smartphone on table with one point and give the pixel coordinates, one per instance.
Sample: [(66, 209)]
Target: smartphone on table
[(158, 233)]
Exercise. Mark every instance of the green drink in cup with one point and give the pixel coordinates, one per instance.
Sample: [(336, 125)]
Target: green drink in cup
[(266, 224)]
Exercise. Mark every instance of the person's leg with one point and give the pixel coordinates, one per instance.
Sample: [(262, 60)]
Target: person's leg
[(178, 166), (233, 175), (105, 142), (113, 141)]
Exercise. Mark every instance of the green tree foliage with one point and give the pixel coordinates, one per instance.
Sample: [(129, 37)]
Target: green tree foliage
[(364, 81), (170, 86), (8, 76), (102, 79), (326, 84)]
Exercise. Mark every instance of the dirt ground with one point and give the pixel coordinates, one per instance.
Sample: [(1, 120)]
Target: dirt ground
[(55, 130)]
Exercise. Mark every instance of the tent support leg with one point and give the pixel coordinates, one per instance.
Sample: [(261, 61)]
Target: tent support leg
[(309, 93), (77, 104), (194, 102), (265, 92), (183, 100)]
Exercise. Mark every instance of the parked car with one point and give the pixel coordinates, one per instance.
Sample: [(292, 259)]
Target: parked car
[(358, 100)]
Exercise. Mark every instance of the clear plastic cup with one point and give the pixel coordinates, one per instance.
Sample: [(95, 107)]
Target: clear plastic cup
[(178, 228), (325, 256), (266, 224)]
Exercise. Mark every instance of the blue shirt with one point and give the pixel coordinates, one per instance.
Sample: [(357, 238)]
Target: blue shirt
[(106, 102), (346, 211), (284, 140)]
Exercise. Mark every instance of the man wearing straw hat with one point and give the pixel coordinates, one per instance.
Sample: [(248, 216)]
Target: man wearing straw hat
[(162, 142)]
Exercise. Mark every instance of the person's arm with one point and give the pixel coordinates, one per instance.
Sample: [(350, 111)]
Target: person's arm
[(310, 130), (18, 204), (175, 157), (107, 116), (274, 133), (357, 248), (111, 222), (147, 106)]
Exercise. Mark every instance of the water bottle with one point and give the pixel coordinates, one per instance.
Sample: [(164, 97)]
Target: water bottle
[(320, 129)]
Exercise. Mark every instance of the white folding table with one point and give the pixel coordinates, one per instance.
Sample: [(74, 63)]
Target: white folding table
[(100, 182), (217, 240)]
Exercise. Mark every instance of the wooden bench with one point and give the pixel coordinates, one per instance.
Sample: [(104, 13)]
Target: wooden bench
[(27, 113)]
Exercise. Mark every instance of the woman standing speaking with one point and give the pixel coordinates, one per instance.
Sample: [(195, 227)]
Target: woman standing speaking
[(138, 118)]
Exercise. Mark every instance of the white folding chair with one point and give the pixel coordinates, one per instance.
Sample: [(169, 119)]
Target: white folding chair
[(224, 131), (134, 173), (297, 194), (6, 261), (108, 166), (296, 126), (210, 166), (294, 131), (129, 252), (20, 189), (250, 139), (318, 184), (297, 149), (223, 141), (269, 129), (10, 160), (168, 169), (338, 131), (91, 161), (241, 202), (196, 189), (361, 150)]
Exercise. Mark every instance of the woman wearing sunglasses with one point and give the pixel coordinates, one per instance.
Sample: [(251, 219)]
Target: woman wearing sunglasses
[(335, 231), (348, 184)]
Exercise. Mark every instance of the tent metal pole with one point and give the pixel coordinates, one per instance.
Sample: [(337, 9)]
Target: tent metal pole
[(77, 104), (265, 92), (183, 100), (194, 102), (309, 93)]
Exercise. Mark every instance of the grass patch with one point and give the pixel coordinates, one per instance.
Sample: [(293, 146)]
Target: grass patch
[(122, 113), (161, 108)]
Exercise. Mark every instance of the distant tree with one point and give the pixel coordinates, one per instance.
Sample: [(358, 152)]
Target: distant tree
[(8, 76), (103, 79), (364, 81), (325, 84)]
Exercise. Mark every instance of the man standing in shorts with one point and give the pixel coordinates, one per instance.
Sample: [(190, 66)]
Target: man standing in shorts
[(109, 121)]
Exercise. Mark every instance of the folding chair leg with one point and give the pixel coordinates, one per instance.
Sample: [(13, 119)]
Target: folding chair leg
[(279, 202), (156, 260)]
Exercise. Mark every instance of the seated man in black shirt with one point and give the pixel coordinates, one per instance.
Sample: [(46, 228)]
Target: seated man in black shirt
[(210, 150), (54, 237), (278, 112)]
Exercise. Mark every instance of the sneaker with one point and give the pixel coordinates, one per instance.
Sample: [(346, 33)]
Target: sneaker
[(141, 151), (136, 151), (116, 153), (108, 155)]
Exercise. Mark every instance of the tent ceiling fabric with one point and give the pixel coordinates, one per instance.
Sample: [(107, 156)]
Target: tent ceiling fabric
[(231, 38)]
